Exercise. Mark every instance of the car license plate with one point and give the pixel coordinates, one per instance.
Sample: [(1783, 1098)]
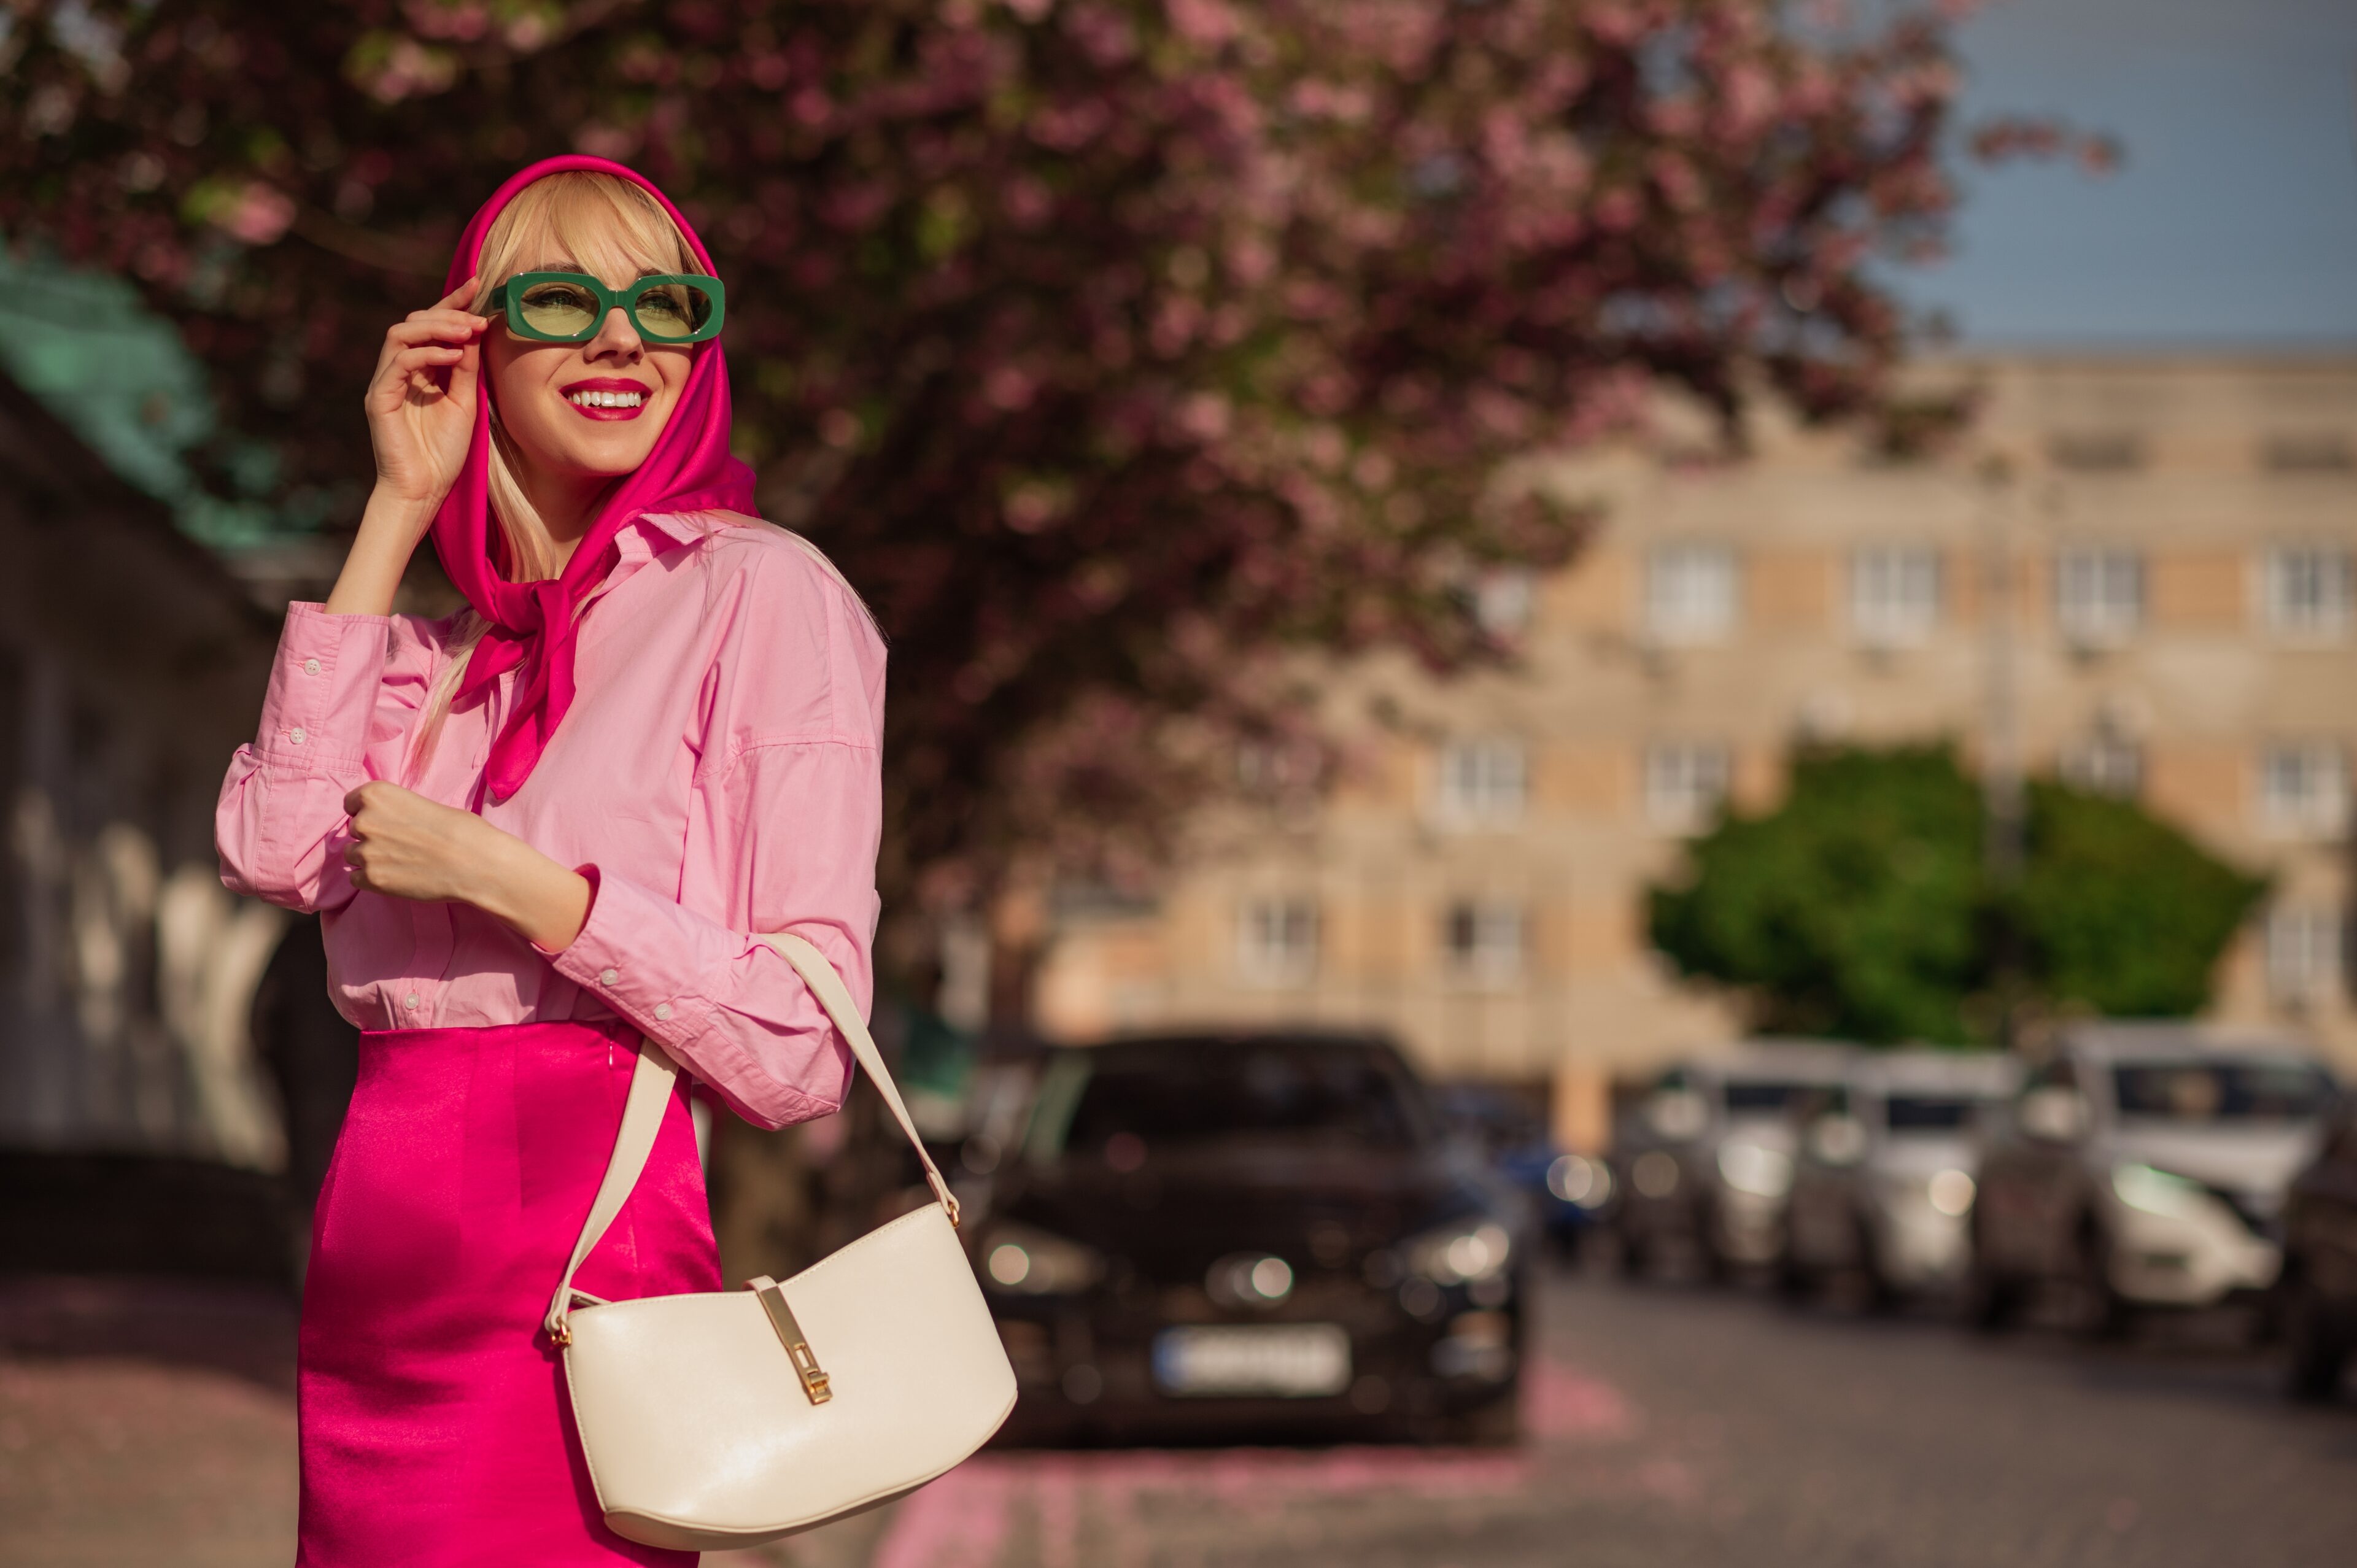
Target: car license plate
[(1291, 1360)]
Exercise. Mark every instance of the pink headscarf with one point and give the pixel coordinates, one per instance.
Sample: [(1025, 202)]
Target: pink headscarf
[(535, 623)]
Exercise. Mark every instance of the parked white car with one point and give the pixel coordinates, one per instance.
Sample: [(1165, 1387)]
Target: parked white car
[(1706, 1163), (2141, 1166), (1885, 1176)]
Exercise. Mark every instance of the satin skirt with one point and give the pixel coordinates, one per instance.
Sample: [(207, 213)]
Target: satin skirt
[(436, 1429)]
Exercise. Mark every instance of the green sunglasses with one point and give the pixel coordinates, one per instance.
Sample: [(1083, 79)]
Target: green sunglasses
[(568, 307)]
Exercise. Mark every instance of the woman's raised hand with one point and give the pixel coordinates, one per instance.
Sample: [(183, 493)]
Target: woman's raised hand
[(421, 403), (421, 414)]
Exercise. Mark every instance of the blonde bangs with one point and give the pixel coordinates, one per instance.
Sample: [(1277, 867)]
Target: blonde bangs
[(595, 222)]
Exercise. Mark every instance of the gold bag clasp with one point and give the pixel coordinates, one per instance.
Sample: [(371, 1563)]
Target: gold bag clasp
[(815, 1382)]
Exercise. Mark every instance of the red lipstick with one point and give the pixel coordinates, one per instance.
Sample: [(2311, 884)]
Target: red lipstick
[(608, 397)]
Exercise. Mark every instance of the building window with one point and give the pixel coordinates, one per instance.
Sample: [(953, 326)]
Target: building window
[(2303, 788), (1502, 598), (2097, 451), (2308, 590), (1894, 593), (2105, 763), (1267, 769), (1481, 783), (2314, 452), (1277, 941), (2098, 595), (1485, 942), (2303, 945), (1685, 782), (1690, 593)]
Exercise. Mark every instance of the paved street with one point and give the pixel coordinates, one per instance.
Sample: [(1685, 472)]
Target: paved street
[(1670, 1427)]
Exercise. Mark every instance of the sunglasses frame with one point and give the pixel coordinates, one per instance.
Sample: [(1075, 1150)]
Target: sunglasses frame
[(509, 296)]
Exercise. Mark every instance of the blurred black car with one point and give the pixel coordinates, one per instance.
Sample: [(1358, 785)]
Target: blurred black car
[(1570, 1196), (1250, 1234), (2316, 1296)]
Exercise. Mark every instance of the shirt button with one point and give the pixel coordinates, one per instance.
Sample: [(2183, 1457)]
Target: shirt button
[(310, 667), (296, 737), (662, 1011), (607, 976), (410, 1002)]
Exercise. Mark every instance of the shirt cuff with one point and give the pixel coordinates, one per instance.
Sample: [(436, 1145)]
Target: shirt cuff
[(632, 955), (323, 689)]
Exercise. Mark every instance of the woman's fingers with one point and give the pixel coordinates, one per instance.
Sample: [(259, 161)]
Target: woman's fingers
[(446, 330), (446, 321), (425, 324), (427, 354), (401, 372), (446, 312), (462, 370)]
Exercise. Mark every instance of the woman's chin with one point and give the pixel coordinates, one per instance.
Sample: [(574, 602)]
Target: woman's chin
[(604, 459)]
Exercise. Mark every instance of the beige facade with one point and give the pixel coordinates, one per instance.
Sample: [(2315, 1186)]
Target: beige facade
[(2134, 570)]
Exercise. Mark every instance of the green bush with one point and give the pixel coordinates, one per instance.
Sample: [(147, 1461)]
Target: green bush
[(1862, 907), (2118, 911)]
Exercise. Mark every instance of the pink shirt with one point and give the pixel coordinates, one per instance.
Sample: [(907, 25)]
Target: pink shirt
[(716, 775)]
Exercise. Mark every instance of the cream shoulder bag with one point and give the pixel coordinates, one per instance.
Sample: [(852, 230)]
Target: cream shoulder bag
[(724, 1419)]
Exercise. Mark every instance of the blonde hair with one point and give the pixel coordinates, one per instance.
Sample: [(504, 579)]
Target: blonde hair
[(603, 225)]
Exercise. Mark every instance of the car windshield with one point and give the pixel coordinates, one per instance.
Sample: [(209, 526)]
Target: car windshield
[(1930, 1112), (2204, 1092), (1756, 1097), (1495, 1119), (1292, 1092)]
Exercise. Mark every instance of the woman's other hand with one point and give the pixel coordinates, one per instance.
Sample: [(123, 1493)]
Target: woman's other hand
[(406, 846), (421, 413)]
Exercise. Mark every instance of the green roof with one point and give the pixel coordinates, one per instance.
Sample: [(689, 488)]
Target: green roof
[(119, 377)]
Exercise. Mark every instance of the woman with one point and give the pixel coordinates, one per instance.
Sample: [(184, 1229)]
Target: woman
[(538, 829)]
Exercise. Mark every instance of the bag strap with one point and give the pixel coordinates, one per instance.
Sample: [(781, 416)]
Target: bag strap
[(650, 1087)]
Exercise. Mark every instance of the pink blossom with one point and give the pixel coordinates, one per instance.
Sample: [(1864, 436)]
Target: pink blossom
[(259, 215), (1208, 23)]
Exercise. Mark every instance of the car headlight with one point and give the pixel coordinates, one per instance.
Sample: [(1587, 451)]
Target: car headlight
[(1472, 1248), (1020, 1260), (2159, 1192), (1578, 1180), (1950, 1192), (1655, 1173), (1754, 1168)]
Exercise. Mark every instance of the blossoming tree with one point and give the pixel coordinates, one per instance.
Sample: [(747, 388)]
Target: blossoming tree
[(1114, 348)]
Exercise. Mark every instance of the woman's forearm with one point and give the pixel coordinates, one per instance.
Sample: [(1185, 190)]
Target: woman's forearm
[(390, 529), (541, 900)]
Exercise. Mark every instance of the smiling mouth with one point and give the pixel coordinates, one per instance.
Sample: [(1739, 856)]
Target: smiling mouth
[(607, 399)]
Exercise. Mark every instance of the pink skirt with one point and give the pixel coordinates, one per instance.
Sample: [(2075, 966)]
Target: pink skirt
[(436, 1430)]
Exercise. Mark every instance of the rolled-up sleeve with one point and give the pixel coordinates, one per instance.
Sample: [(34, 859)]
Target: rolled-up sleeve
[(342, 693), (783, 836)]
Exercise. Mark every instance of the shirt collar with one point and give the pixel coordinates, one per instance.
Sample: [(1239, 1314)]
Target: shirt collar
[(679, 527), (650, 535)]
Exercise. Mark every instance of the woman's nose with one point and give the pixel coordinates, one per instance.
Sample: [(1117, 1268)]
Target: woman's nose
[(617, 336)]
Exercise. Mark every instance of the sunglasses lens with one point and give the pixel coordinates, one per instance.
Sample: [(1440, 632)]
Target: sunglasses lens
[(560, 309), (673, 310)]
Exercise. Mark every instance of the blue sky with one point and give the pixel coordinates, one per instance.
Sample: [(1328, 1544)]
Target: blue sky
[(2234, 218)]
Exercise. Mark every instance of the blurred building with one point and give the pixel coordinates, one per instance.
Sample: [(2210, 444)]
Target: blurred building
[(131, 666), (2132, 571)]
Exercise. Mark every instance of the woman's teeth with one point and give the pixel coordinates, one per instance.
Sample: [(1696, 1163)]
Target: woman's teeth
[(607, 399)]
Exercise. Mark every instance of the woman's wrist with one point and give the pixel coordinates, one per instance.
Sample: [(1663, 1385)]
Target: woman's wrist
[(542, 901), (390, 529)]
